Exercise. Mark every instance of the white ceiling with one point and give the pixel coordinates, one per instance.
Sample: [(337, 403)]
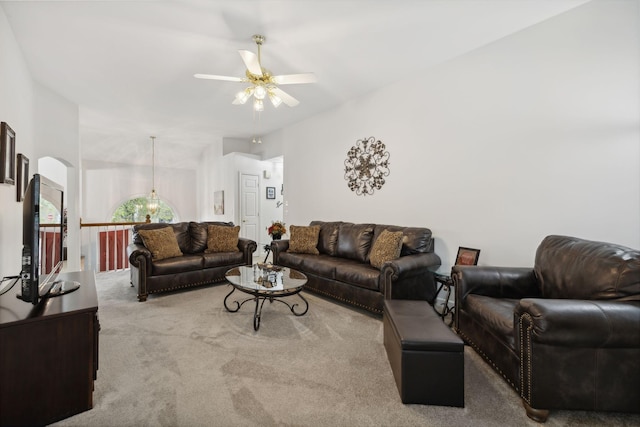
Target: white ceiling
[(129, 65)]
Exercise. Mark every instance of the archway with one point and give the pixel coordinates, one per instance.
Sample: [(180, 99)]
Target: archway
[(135, 210)]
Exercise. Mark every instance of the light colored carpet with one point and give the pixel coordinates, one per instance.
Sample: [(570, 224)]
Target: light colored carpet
[(181, 359)]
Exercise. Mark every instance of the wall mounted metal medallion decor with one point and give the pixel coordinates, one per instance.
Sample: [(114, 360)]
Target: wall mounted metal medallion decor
[(366, 166)]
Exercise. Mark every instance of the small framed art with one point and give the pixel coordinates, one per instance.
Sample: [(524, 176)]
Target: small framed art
[(23, 176), (271, 192), (218, 202), (7, 154), (467, 256)]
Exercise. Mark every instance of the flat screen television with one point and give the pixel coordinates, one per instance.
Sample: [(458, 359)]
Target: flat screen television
[(42, 241)]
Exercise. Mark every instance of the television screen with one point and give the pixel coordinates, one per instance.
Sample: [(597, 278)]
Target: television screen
[(42, 237)]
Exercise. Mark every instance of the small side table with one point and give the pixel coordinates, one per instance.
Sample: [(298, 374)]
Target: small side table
[(445, 283), (267, 251)]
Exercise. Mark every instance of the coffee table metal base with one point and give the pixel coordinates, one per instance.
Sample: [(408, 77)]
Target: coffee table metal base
[(260, 299)]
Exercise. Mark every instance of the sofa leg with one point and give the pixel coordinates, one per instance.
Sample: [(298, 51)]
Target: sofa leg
[(538, 415), (142, 298)]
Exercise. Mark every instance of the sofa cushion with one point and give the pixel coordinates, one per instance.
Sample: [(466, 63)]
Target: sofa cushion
[(222, 239), (387, 247), (416, 240), (304, 239), (354, 241), (162, 243), (178, 228), (569, 267), (495, 314), (176, 265), (199, 233), (320, 265), (220, 259), (357, 274), (328, 238)]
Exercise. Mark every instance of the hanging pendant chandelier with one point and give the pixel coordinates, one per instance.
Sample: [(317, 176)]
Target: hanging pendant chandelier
[(153, 201)]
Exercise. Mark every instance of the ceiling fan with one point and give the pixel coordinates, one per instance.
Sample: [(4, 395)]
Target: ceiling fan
[(263, 83)]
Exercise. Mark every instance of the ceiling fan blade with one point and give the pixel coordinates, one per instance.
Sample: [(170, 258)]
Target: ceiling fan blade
[(214, 77), (286, 98), (250, 60), (293, 79)]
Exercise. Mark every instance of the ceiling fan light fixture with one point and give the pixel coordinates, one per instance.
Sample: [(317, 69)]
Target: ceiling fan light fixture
[(260, 92), (275, 100), (243, 96), (262, 82)]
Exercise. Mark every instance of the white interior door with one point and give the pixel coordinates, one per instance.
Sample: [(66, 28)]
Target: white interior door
[(249, 206)]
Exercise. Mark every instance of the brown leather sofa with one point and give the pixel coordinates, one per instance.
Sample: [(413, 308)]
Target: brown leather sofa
[(565, 334), (342, 270), (193, 268)]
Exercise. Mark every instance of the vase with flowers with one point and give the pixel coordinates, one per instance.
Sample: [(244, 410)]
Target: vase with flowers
[(276, 230)]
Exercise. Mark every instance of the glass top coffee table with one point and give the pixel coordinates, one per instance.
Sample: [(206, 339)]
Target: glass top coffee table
[(266, 282)]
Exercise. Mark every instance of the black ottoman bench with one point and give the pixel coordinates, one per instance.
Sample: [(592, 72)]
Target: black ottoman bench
[(426, 357)]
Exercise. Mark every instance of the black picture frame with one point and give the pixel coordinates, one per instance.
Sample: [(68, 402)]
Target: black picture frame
[(271, 192), (467, 256), (23, 176), (7, 155)]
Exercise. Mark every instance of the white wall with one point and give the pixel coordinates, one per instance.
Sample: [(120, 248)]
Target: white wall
[(15, 85), (535, 134), (107, 185), (219, 171), (57, 136), (45, 125)]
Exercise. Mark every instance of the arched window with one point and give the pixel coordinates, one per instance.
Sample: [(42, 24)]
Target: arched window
[(135, 210)]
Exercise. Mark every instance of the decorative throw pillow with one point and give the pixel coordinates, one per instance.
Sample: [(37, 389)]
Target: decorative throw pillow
[(161, 242), (387, 247), (304, 239), (222, 239)]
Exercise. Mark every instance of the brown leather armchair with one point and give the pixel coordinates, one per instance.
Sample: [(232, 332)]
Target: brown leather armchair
[(564, 334)]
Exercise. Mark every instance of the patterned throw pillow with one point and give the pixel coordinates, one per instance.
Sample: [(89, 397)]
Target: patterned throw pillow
[(304, 239), (222, 239), (387, 247), (161, 242)]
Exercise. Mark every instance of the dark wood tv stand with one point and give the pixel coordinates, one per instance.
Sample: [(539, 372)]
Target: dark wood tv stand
[(48, 354)]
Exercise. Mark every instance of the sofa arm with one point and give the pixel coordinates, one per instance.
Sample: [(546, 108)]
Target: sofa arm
[(135, 251), (497, 282), (277, 247), (247, 247), (410, 265), (578, 323), (410, 277)]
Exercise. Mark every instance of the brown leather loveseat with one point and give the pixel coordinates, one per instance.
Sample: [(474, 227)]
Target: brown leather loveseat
[(565, 334), (342, 269), (194, 266)]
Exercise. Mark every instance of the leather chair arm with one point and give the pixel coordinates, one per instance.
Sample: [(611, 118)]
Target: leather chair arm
[(135, 250), (411, 265), (497, 282), (579, 323), (277, 247), (247, 247), (409, 277)]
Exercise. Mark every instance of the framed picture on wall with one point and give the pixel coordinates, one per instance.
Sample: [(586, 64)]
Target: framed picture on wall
[(23, 176), (271, 192), (7, 154), (218, 203), (467, 256)]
